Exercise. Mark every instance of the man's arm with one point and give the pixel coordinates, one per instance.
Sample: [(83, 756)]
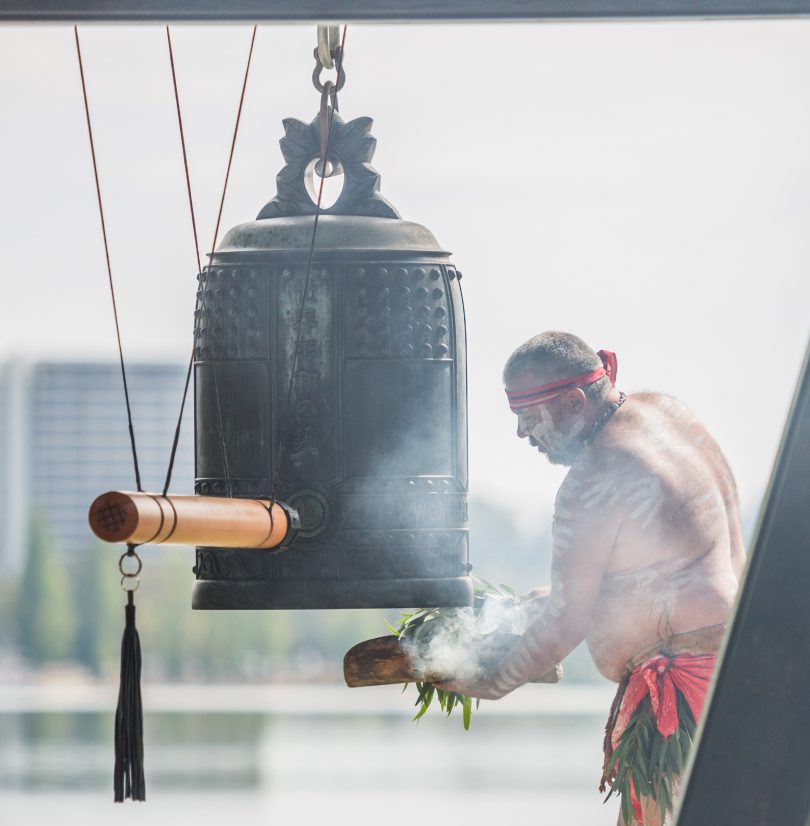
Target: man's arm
[(584, 533)]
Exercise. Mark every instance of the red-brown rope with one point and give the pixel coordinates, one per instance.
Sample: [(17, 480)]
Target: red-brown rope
[(107, 257), (233, 142), (223, 448), (183, 147)]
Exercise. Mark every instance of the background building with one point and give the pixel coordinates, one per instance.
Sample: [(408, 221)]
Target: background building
[(64, 440)]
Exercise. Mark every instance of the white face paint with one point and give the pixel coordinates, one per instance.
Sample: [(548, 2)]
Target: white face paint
[(556, 445), (544, 427)]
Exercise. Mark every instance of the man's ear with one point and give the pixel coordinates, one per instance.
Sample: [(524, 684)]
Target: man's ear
[(574, 402)]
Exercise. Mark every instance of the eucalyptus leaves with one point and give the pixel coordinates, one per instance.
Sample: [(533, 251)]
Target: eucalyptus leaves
[(647, 762), (451, 642)]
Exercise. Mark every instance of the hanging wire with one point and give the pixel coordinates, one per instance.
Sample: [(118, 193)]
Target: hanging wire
[(183, 146), (223, 448), (176, 440), (328, 91), (109, 267), (201, 296)]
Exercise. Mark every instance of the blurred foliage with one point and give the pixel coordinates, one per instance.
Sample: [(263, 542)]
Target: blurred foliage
[(97, 592), (45, 610), (74, 613)]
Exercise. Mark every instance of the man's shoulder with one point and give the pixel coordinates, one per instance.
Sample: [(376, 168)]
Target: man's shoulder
[(641, 419), (650, 400), (625, 448)]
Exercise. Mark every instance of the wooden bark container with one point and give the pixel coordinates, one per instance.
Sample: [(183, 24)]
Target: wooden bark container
[(209, 521), (385, 661)]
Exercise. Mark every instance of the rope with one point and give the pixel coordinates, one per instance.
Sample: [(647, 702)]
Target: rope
[(223, 449), (233, 142), (176, 440), (109, 267), (328, 89), (183, 146), (201, 300)]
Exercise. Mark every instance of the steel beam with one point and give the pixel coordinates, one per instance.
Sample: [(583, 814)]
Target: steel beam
[(109, 11), (752, 762)]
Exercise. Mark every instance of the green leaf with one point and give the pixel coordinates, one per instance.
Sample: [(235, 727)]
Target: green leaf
[(627, 807), (419, 714), (467, 712), (451, 701)]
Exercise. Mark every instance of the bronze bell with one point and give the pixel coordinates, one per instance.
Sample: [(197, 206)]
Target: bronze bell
[(367, 441)]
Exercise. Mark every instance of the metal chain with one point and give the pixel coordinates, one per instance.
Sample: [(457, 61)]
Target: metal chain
[(325, 93), (130, 580), (328, 41), (337, 55)]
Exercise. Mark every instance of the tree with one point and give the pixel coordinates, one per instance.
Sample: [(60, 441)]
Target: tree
[(99, 607), (45, 618)]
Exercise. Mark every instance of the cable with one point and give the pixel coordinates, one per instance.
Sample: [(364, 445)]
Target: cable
[(201, 300), (109, 267)]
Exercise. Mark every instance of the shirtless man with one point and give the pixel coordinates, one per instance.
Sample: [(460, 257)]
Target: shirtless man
[(647, 551)]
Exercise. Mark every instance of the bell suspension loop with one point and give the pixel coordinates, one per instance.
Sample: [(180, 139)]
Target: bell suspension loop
[(328, 41), (329, 55)]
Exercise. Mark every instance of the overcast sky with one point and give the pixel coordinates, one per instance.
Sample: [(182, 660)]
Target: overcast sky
[(646, 186)]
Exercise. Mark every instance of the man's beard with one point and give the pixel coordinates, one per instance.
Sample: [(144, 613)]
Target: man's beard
[(560, 448)]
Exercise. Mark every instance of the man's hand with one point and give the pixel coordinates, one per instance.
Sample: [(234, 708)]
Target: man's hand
[(483, 688), (533, 603)]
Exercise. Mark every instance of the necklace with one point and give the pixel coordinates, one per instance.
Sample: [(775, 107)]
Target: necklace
[(608, 412)]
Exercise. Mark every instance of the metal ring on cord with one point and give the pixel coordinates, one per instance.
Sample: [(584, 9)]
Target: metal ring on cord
[(130, 582), (129, 555), (126, 580)]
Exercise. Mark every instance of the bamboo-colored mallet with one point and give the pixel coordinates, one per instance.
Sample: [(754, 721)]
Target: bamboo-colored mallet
[(209, 521)]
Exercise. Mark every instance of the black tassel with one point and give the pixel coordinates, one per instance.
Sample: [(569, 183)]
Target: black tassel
[(129, 779)]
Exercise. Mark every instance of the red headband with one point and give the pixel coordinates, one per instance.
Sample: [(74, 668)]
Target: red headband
[(536, 395)]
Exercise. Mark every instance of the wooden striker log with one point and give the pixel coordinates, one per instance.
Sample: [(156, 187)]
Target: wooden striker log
[(209, 521)]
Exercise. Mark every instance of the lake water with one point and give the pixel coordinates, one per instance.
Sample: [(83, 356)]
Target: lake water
[(305, 755)]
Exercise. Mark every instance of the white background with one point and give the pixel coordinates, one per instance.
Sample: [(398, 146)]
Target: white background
[(646, 186)]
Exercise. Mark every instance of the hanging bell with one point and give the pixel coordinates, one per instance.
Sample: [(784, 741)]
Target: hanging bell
[(330, 374)]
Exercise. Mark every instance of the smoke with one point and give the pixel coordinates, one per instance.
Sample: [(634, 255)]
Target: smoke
[(467, 643)]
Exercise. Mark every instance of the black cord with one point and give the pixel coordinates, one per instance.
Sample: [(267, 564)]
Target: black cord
[(109, 267)]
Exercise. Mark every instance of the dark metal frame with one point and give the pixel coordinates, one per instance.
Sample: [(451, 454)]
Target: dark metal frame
[(390, 10), (752, 764)]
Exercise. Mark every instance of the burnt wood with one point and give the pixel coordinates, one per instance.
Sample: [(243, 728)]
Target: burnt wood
[(79, 11), (385, 661)]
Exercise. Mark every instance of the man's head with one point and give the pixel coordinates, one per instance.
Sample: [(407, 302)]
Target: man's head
[(556, 420)]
